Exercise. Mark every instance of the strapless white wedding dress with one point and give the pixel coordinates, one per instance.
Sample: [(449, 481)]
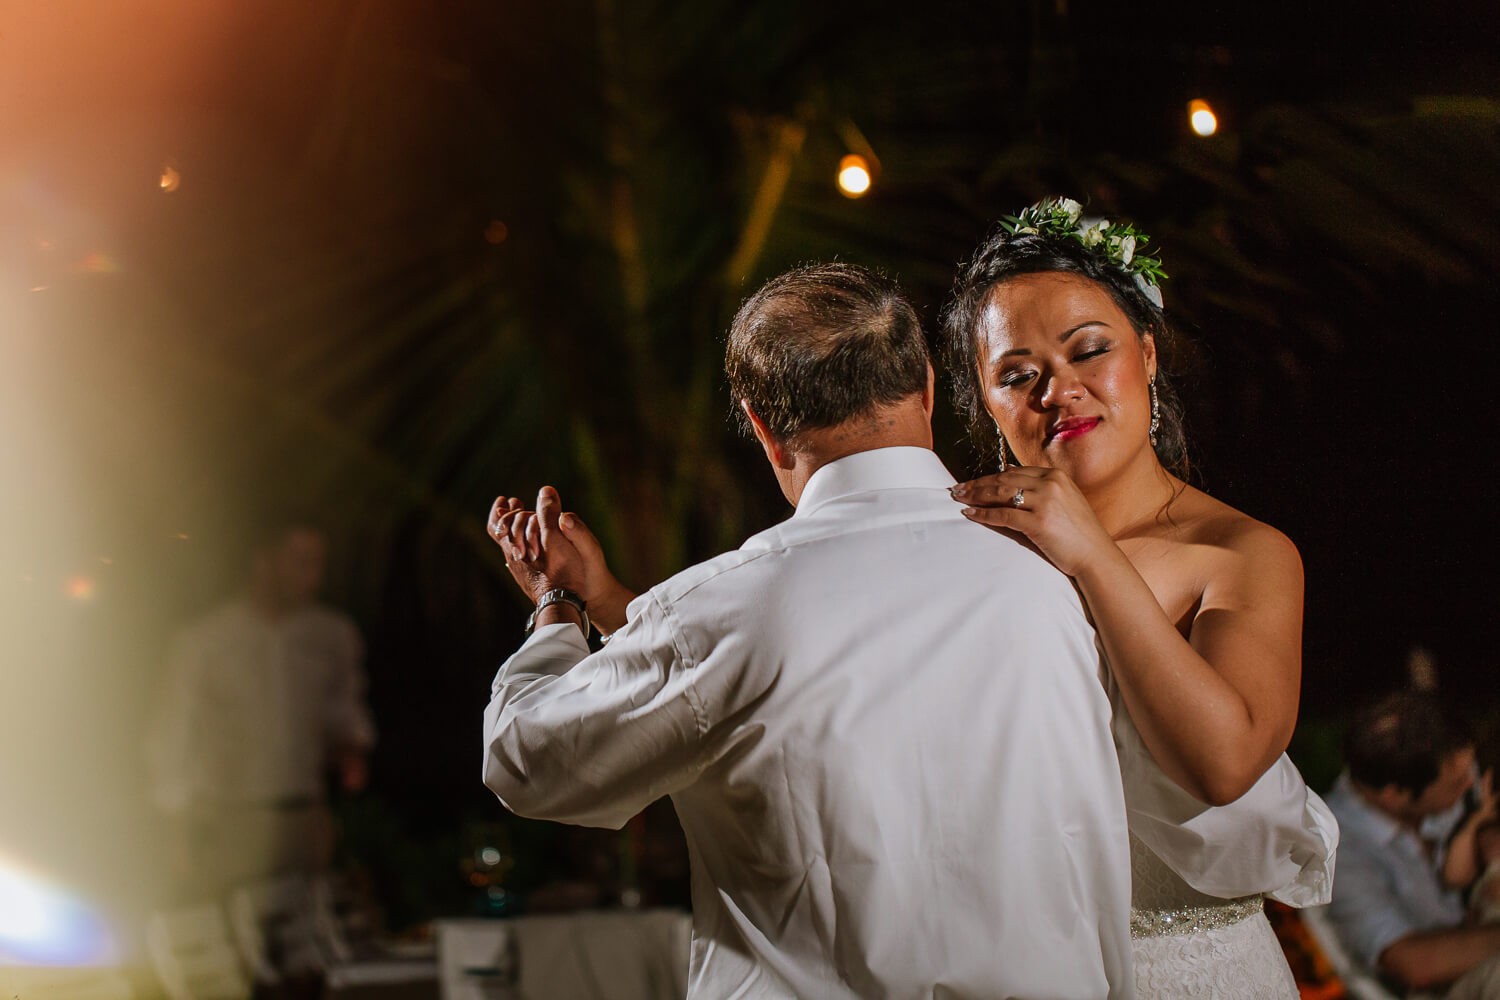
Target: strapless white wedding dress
[(1191, 946)]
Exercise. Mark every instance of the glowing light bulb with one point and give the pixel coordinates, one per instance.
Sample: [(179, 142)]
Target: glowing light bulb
[(854, 176), (1202, 118), (171, 180)]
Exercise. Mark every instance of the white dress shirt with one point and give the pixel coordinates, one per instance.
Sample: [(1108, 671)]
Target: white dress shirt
[(884, 732), (254, 707)]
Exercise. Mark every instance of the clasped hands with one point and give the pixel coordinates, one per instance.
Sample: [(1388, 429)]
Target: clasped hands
[(547, 548)]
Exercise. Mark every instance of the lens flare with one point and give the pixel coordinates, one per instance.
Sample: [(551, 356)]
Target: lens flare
[(854, 176), (1202, 118), (41, 925), (99, 262), (81, 588)]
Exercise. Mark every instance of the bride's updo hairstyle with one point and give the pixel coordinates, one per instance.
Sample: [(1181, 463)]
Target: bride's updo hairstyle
[(1013, 249)]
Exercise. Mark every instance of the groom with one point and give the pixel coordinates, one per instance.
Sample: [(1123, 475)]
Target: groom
[(881, 725)]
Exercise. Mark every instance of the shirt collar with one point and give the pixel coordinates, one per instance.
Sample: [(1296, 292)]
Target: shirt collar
[(1357, 814), (901, 467)]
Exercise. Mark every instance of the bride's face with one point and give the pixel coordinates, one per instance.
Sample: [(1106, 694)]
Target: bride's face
[(1065, 376)]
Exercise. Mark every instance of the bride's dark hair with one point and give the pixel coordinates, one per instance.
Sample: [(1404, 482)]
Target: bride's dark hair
[(1003, 256)]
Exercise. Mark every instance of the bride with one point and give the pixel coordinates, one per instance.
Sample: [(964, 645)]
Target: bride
[(1053, 337)]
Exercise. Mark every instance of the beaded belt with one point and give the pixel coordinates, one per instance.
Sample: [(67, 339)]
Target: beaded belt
[(1192, 919)]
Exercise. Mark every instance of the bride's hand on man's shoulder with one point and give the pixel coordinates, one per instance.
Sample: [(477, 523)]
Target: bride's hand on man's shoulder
[(1042, 504)]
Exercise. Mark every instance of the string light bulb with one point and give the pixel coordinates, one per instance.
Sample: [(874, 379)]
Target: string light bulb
[(854, 176), (1201, 118)]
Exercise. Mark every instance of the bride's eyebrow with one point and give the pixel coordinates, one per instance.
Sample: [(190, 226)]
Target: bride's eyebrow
[(1061, 339)]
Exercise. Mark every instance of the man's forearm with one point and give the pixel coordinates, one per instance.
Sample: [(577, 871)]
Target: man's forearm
[(1425, 959), (559, 613), (607, 613), (608, 610)]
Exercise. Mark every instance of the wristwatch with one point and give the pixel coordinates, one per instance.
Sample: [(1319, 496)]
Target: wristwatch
[(559, 595)]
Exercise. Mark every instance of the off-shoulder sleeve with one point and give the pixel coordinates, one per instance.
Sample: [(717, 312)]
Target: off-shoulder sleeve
[(1279, 838)]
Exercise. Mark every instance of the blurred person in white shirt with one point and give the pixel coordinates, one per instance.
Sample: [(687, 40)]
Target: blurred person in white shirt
[(263, 704)]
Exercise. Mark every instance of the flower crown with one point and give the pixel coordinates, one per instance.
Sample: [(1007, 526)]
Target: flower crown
[(1120, 242)]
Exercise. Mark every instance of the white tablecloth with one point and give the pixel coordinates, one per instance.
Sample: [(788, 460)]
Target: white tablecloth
[(606, 955)]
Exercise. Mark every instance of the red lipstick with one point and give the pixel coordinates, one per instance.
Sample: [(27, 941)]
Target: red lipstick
[(1072, 427)]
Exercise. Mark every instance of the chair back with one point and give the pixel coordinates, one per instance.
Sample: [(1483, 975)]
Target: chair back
[(193, 955), (1359, 980), (275, 929)]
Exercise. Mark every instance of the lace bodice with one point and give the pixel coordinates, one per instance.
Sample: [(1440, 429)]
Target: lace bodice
[(1154, 886)]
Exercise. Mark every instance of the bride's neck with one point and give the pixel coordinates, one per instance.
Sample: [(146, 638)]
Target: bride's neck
[(1138, 496)]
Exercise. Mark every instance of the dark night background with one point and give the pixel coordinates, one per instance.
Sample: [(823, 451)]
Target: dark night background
[(422, 254)]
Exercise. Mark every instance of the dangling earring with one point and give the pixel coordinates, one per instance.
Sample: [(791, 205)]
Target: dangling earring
[(1003, 464), (1155, 413)]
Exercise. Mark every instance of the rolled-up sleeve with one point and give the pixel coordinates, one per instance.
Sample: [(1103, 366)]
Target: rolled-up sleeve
[(593, 739)]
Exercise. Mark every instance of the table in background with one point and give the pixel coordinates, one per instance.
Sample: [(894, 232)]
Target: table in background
[(609, 955)]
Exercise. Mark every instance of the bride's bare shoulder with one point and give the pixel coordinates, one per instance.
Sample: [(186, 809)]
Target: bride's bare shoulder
[(1211, 523)]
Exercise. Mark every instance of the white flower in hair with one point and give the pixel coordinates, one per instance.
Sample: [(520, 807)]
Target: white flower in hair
[(1121, 244)]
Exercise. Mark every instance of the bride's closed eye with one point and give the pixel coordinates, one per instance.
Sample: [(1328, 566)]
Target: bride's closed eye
[(1015, 377)]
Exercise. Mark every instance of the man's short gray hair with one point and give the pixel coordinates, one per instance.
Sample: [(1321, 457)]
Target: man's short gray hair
[(823, 344)]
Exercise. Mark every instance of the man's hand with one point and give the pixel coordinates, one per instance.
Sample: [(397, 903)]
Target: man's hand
[(548, 548)]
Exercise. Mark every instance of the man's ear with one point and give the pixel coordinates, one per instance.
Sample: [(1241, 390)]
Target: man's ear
[(929, 395), (776, 453)]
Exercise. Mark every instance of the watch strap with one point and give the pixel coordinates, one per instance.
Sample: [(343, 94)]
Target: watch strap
[(559, 595)]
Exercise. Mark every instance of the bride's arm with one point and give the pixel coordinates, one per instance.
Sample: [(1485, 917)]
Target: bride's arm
[(1217, 708), (1216, 711)]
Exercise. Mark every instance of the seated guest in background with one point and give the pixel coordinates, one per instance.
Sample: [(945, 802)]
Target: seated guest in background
[(882, 726), (1409, 764), (263, 701)]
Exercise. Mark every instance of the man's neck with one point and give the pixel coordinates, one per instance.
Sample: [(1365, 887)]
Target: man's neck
[(893, 427), (266, 603)]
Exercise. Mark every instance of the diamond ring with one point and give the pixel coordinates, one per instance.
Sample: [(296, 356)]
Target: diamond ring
[(1018, 499)]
